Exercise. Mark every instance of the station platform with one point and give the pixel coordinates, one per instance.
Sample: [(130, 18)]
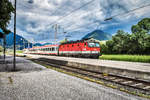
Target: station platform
[(130, 69), (32, 81)]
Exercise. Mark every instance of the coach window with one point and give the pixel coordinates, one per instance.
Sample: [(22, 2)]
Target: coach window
[(85, 44), (52, 49)]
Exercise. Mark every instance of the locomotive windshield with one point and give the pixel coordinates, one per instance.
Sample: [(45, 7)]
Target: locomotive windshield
[(93, 45)]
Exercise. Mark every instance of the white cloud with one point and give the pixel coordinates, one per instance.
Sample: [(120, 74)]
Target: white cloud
[(35, 19)]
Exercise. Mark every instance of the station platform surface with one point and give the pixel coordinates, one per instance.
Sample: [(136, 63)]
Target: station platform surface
[(35, 82), (133, 69), (143, 67)]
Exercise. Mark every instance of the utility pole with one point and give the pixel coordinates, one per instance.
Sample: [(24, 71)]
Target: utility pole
[(28, 45), (56, 33), (55, 28), (14, 60), (22, 40), (4, 46), (32, 42)]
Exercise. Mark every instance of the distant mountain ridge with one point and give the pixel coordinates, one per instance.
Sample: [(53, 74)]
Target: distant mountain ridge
[(98, 35), (21, 42)]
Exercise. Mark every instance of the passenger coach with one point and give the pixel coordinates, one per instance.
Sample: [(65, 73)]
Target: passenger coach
[(45, 50)]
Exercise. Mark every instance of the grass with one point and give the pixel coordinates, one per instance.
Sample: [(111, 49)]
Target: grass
[(132, 58), (19, 51)]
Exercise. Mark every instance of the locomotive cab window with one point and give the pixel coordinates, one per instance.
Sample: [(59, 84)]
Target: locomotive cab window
[(97, 45), (84, 44), (93, 45)]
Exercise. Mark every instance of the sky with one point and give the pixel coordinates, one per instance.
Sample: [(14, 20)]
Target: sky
[(36, 19)]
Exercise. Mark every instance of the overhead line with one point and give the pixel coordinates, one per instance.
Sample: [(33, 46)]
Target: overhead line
[(127, 12), (72, 12), (121, 14)]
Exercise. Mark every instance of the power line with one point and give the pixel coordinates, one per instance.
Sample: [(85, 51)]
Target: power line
[(127, 12), (72, 12), (56, 21), (115, 15)]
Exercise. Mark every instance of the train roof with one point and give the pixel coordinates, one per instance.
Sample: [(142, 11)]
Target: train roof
[(78, 41), (44, 46)]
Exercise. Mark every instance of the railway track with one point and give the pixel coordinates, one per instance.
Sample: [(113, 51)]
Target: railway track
[(136, 86)]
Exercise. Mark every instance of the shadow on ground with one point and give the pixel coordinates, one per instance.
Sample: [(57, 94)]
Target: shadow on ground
[(21, 65)]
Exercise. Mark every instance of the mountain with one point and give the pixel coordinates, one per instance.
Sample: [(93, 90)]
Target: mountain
[(98, 35), (47, 44), (21, 42), (37, 44)]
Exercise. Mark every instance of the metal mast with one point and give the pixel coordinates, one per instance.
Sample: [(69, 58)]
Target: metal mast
[(14, 60)]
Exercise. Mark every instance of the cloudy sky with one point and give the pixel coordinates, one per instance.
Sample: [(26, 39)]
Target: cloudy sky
[(36, 18)]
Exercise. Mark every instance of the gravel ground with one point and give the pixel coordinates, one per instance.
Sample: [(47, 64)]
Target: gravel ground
[(34, 82)]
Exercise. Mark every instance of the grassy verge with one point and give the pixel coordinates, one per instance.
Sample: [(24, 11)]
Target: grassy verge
[(132, 58), (19, 51)]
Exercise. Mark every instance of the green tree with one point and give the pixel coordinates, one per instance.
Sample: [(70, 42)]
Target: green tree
[(143, 25), (140, 37), (6, 9), (119, 42)]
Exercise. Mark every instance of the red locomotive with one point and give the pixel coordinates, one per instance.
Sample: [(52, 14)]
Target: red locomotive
[(83, 48)]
